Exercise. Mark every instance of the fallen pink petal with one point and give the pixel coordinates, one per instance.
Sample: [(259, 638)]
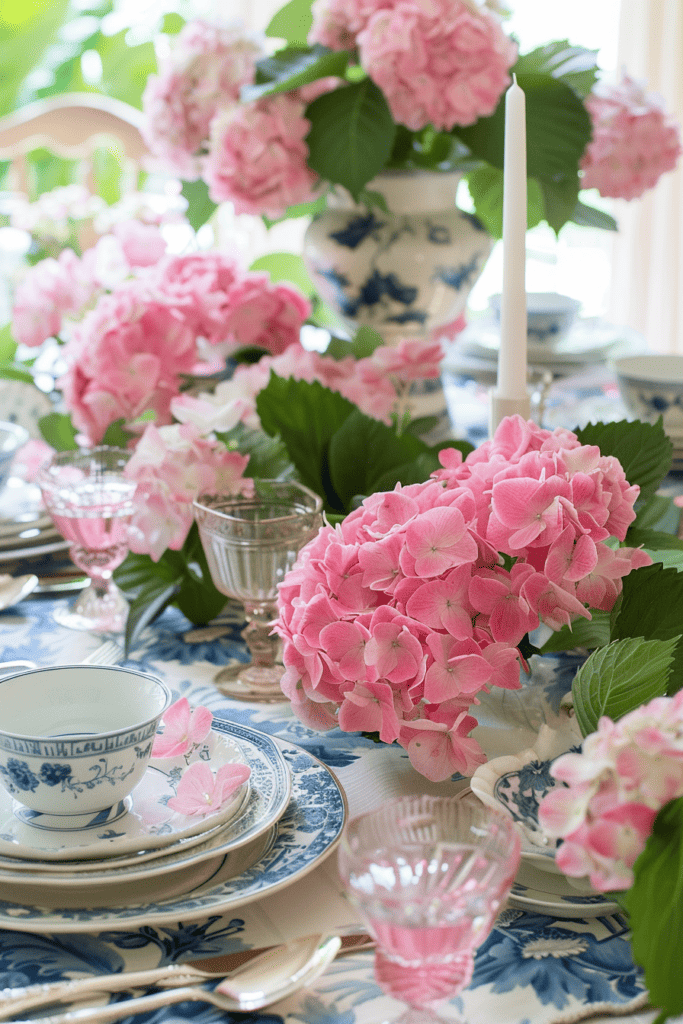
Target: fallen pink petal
[(201, 792)]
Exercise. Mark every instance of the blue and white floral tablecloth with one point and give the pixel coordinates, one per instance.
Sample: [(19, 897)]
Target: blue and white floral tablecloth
[(532, 969)]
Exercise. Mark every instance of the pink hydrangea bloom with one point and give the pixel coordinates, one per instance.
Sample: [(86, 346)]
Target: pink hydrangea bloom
[(336, 23), (626, 772), (201, 791), (52, 290), (172, 465), (125, 358), (262, 314), (394, 620), (206, 69), (257, 156), (634, 141), (441, 63), (184, 729)]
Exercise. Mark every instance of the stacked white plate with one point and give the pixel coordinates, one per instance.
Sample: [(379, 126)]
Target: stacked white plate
[(151, 864)]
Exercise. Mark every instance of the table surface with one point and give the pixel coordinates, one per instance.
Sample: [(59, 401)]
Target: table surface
[(532, 969)]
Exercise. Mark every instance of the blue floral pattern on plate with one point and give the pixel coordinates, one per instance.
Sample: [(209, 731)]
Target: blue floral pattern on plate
[(307, 832)]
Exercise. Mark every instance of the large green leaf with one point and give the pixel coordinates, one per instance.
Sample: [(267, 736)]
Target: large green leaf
[(575, 65), (27, 28), (286, 266), (8, 345), (654, 540), (268, 457), (58, 430), (590, 217), (363, 450), (557, 130), (292, 22), (559, 200), (590, 633), (293, 68), (643, 449), (198, 598), (199, 207), (485, 185), (620, 677), (15, 371), (655, 907), (650, 606), (125, 68), (305, 416), (351, 136)]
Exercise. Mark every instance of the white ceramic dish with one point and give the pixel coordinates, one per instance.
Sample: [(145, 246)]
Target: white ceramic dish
[(588, 341), (516, 783), (12, 437), (15, 588), (18, 554), (540, 891), (651, 385), (549, 316), (305, 835), (268, 796), (75, 740)]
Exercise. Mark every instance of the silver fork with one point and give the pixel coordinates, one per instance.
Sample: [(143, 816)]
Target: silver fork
[(108, 653)]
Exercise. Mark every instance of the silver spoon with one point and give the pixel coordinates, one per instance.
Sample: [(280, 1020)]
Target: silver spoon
[(265, 979)]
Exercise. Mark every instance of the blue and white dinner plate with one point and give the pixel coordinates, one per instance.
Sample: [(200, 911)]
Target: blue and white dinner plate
[(541, 891), (306, 834)]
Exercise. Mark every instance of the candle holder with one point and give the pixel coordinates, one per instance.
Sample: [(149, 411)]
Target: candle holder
[(500, 407)]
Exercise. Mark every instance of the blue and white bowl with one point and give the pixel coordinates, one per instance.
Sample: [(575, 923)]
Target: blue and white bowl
[(651, 385), (516, 783), (12, 438), (550, 316), (76, 739)]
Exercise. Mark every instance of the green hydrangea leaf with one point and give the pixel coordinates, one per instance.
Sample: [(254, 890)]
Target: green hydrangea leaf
[(286, 266), (305, 416), (292, 22), (58, 430), (590, 217), (643, 449), (352, 134), (293, 68), (199, 206), (575, 65), (655, 907), (650, 606), (589, 633), (620, 677)]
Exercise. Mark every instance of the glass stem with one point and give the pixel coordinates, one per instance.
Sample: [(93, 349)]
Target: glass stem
[(263, 647)]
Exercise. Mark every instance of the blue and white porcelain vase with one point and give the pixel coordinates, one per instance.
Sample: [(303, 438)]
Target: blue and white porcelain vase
[(403, 273)]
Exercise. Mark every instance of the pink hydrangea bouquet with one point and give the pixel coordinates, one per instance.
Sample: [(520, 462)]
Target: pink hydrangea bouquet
[(395, 619), (367, 85), (617, 810)]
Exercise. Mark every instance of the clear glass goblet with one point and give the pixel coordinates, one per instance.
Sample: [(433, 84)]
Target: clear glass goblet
[(250, 544), (428, 874), (91, 503)]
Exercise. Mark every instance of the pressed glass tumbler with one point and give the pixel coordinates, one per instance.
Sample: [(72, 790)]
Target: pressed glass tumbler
[(250, 544), (428, 874)]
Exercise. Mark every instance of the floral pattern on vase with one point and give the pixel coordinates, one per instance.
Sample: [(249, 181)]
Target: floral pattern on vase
[(404, 272)]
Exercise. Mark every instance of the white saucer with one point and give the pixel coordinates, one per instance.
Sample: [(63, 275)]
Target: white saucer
[(540, 891), (588, 341), (142, 822)]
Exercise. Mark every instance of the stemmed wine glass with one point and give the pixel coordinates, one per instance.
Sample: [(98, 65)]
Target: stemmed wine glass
[(250, 544), (91, 503), (428, 874)]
